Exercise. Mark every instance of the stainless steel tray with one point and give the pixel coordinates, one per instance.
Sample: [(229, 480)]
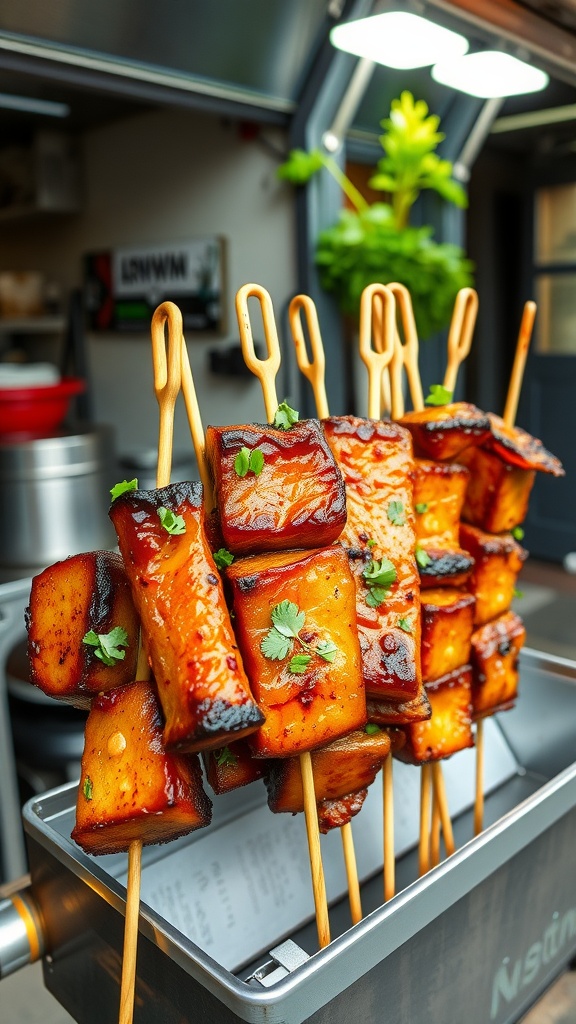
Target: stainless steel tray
[(487, 930)]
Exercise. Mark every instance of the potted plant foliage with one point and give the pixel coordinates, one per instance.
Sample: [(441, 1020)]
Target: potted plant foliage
[(375, 242)]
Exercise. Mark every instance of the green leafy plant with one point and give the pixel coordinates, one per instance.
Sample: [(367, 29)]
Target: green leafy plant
[(376, 242)]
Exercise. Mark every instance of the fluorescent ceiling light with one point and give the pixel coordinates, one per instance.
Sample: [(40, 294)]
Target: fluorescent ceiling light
[(398, 40), (29, 105), (490, 74)]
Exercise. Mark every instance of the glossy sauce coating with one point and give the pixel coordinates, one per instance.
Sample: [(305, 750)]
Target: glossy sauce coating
[(130, 788), (327, 700), (439, 492), (450, 727), (376, 462), (85, 592), (296, 501), (194, 656), (495, 652), (497, 562), (442, 432), (447, 624)]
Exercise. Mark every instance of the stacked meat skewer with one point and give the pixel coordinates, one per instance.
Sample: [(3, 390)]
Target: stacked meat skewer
[(322, 538)]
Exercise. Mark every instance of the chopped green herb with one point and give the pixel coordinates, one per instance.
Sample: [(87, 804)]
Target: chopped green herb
[(224, 757), (395, 513), (285, 417), (422, 557), (299, 663), (371, 543), (405, 624), (327, 650), (376, 596), (371, 728), (107, 645), (87, 788), (223, 558), (256, 461), (288, 620), (518, 533), (379, 573), (421, 507), (126, 485), (249, 462), (172, 523), (439, 395), (517, 593)]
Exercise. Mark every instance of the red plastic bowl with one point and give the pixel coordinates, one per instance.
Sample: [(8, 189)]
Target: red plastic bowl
[(40, 411)]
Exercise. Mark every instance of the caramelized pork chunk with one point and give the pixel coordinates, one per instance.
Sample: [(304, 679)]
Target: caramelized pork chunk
[(289, 495), (379, 537), (440, 568), (442, 432), (85, 594), (232, 767), (495, 651), (397, 713), (191, 646), (295, 620), (342, 767), (518, 448), (447, 624), (498, 560), (450, 727), (498, 493), (336, 813), (130, 788), (439, 492)]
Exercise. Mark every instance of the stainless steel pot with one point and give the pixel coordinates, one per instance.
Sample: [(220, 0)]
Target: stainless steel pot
[(54, 497)]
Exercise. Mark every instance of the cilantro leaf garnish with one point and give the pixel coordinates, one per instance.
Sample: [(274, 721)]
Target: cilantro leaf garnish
[(371, 543), (248, 461), (439, 395), (327, 650), (422, 557), (379, 573), (87, 788), (172, 523), (395, 513), (223, 558), (287, 618), (421, 507), (275, 645), (107, 645), (122, 488), (405, 624), (371, 728), (518, 533), (299, 663), (517, 593), (224, 757), (285, 417), (376, 596)]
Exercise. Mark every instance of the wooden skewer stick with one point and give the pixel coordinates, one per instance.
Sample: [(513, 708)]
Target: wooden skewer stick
[(440, 797), (435, 833), (313, 370), (460, 333), (266, 370), (409, 351), (425, 803), (522, 346), (167, 376), (510, 410)]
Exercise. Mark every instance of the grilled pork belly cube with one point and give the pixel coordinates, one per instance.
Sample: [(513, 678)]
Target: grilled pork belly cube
[(498, 493), (439, 492), (495, 651), (191, 646), (232, 767), (450, 727), (447, 624), (84, 593), (342, 767), (296, 500), (391, 713), (336, 813), (130, 788), (376, 462), (440, 568), (518, 448), (442, 432), (288, 607), (498, 560)]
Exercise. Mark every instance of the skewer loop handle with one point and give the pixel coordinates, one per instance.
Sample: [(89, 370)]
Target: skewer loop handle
[(409, 351), (460, 333), (313, 369), (374, 360), (167, 380), (265, 369)]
